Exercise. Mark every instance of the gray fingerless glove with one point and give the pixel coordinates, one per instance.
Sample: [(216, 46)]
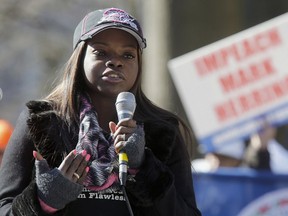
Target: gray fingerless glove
[(134, 148), (53, 188)]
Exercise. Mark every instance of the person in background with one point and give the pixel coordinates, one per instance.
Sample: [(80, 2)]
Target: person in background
[(267, 151), (261, 152), (228, 155), (62, 158), (6, 130)]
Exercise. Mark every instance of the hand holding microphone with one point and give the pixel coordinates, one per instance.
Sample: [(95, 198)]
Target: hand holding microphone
[(129, 137)]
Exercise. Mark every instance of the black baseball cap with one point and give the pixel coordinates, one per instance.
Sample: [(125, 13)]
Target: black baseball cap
[(100, 20)]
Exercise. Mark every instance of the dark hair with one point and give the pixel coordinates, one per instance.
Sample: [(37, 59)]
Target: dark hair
[(65, 97)]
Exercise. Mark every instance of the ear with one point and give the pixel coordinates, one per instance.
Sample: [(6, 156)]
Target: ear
[(112, 127)]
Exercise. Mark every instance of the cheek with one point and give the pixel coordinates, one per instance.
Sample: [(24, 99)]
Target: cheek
[(90, 69), (87, 66), (134, 75)]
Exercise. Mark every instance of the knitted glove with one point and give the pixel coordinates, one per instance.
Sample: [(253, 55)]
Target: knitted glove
[(53, 188), (134, 148)]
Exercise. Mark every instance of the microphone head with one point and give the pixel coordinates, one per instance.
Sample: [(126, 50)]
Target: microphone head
[(125, 105)]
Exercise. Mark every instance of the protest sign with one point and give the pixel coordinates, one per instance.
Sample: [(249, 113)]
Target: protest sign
[(274, 203), (229, 88)]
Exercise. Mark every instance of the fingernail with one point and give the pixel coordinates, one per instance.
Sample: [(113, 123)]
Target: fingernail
[(84, 152), (35, 154), (118, 145), (74, 152), (87, 169), (87, 158)]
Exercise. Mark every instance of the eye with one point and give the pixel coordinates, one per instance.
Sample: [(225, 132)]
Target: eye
[(100, 53), (129, 56)]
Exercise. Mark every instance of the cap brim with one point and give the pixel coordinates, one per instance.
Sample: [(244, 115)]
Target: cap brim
[(141, 41)]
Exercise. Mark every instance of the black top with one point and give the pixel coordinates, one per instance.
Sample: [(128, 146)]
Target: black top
[(163, 185), (108, 204)]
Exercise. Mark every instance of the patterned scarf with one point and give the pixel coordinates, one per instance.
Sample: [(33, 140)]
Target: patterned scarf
[(103, 167)]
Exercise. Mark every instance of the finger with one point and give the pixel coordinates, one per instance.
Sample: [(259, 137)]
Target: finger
[(127, 123), (64, 166), (82, 166), (124, 126), (83, 176), (112, 127), (120, 145), (37, 156), (76, 164), (124, 130), (119, 138)]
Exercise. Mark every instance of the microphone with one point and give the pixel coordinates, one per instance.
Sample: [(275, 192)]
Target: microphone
[(125, 107)]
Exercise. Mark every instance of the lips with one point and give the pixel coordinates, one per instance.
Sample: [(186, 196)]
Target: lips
[(115, 76), (112, 77)]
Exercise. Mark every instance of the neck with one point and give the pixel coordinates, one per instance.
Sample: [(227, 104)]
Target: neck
[(105, 108)]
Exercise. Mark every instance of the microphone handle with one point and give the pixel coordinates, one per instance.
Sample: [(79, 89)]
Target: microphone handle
[(123, 158), (123, 164)]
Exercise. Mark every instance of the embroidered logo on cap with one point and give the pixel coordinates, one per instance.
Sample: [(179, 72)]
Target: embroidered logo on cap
[(117, 15)]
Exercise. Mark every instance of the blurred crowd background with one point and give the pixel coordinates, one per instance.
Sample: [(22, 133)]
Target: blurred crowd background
[(36, 39)]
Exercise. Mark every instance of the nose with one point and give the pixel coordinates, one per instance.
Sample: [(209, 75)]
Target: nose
[(114, 62)]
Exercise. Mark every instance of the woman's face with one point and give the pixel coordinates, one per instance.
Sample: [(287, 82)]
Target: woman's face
[(111, 63)]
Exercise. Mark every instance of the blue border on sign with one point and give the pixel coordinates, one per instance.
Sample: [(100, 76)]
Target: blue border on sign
[(276, 117)]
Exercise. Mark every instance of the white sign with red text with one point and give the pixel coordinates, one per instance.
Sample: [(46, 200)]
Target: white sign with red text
[(230, 87), (274, 203)]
